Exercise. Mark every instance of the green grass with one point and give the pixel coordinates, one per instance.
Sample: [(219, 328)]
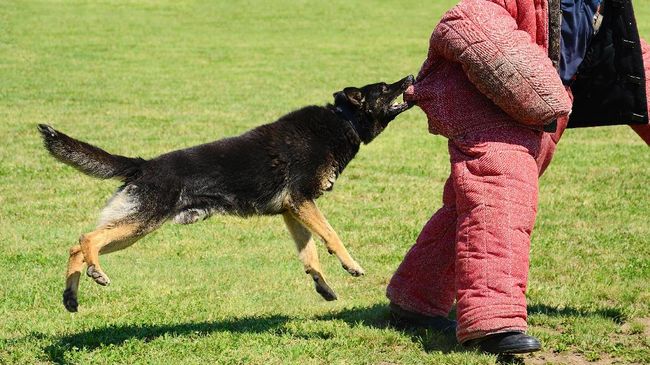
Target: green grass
[(144, 77)]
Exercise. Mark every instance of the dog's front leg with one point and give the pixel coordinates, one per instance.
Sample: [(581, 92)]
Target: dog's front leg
[(308, 255), (309, 215)]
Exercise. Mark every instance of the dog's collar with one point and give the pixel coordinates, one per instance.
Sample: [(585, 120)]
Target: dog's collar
[(347, 115)]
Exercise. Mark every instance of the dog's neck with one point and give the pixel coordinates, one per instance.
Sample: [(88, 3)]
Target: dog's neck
[(347, 114)]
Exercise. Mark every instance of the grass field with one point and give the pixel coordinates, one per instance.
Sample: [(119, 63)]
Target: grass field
[(144, 77)]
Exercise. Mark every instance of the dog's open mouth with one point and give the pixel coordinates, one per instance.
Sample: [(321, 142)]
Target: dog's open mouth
[(398, 107)]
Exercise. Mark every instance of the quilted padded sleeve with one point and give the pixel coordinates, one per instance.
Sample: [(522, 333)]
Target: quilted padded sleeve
[(501, 61)]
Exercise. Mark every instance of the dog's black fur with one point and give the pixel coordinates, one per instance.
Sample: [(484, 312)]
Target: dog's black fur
[(267, 170)]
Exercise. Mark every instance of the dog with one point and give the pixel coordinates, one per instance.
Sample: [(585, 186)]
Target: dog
[(279, 168)]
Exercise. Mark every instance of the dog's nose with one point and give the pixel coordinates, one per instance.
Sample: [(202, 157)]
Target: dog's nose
[(410, 79)]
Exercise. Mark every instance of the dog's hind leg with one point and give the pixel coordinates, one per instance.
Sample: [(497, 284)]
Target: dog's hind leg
[(132, 212), (123, 221), (87, 251), (106, 239), (309, 215), (75, 264), (308, 255)]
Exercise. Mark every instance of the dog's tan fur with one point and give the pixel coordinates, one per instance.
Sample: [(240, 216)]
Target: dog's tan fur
[(105, 239), (308, 214), (305, 244)]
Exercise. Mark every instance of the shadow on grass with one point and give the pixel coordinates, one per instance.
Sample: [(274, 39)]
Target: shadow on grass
[(119, 334), (378, 316), (375, 316), (613, 314)]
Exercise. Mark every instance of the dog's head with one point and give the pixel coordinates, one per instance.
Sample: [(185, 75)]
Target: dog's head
[(371, 108)]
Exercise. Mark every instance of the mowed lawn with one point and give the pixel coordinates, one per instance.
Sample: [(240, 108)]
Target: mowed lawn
[(144, 77)]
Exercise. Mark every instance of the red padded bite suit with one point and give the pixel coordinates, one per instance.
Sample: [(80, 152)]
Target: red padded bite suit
[(488, 86)]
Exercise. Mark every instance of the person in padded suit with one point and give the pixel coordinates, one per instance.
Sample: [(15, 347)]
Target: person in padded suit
[(502, 81)]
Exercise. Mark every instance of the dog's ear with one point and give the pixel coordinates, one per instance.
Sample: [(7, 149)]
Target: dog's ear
[(354, 95)]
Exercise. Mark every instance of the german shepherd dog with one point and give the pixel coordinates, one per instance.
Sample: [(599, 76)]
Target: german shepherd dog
[(276, 168)]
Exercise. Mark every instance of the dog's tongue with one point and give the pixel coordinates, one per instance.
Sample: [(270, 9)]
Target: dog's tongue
[(409, 94)]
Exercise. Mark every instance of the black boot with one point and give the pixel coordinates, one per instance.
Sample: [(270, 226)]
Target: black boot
[(403, 318), (506, 343)]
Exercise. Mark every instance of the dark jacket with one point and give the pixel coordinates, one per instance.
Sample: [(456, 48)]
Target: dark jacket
[(610, 86)]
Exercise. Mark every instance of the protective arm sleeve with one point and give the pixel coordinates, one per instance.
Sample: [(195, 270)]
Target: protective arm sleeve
[(502, 61)]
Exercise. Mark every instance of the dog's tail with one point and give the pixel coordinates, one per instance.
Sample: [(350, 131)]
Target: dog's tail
[(89, 159)]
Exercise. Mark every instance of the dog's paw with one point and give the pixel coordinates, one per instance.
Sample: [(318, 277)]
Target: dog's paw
[(323, 289), (355, 270), (99, 277), (70, 300)]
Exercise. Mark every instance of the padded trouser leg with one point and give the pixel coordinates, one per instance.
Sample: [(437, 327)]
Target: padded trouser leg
[(495, 179)]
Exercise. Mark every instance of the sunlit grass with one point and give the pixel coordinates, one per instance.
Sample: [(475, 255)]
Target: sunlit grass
[(141, 78)]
